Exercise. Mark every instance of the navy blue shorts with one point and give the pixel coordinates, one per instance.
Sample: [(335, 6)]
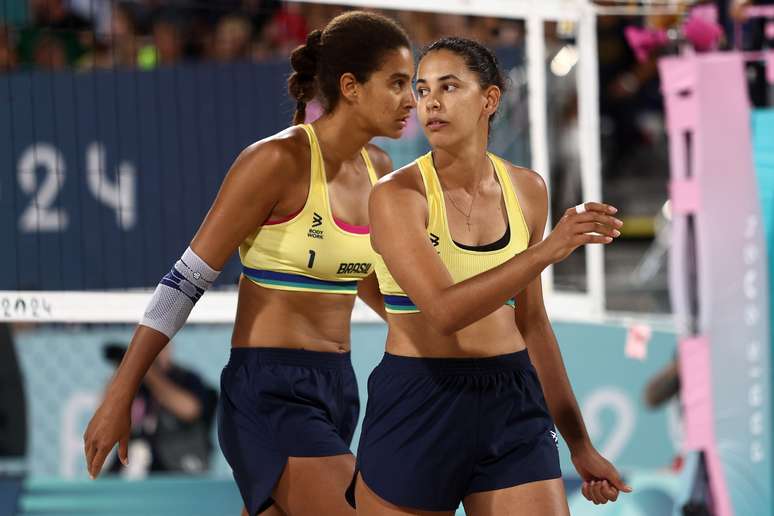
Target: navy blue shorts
[(439, 429), (278, 403)]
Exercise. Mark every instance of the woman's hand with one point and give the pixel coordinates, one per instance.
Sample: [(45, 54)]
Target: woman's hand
[(111, 424), (594, 225), (601, 481)]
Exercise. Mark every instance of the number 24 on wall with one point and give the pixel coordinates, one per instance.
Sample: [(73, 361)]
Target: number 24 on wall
[(40, 215)]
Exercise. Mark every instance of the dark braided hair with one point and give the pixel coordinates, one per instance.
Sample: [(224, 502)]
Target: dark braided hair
[(355, 42), (479, 60)]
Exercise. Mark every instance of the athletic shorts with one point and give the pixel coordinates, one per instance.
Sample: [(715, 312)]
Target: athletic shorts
[(439, 429), (278, 403)]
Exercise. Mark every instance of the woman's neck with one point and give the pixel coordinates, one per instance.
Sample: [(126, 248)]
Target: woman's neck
[(340, 137), (463, 166)]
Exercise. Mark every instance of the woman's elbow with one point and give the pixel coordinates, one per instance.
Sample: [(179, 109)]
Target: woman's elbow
[(442, 320)]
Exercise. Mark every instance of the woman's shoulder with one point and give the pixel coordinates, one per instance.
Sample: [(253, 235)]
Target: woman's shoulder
[(407, 178), (528, 182), (380, 159), (288, 149)]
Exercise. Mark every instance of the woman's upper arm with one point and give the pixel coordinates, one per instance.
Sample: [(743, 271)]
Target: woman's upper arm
[(398, 214), (533, 196), (250, 190)]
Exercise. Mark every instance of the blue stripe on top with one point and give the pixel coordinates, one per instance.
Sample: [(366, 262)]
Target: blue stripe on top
[(398, 300), (297, 279), (403, 303)]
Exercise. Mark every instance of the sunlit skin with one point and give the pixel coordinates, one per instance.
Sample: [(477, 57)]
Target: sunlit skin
[(469, 319), (270, 180)]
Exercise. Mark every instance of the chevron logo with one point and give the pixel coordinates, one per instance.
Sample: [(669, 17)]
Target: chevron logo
[(554, 437), (434, 239), (316, 220)]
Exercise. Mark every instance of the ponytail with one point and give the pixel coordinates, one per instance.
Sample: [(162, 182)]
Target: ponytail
[(302, 83)]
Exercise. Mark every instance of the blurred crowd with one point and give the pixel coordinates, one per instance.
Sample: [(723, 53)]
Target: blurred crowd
[(84, 34)]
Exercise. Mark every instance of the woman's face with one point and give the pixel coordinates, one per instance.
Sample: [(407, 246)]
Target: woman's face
[(452, 105), (387, 96)]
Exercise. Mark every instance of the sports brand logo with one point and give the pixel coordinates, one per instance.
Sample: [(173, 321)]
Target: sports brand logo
[(434, 239), (554, 436), (316, 221)]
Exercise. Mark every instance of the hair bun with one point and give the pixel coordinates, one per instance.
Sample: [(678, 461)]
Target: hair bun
[(305, 58)]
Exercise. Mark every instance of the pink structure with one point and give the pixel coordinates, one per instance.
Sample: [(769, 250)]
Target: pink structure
[(718, 273)]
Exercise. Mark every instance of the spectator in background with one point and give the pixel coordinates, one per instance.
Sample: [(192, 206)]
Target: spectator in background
[(286, 30), (168, 39), (629, 92), (233, 36), (420, 26), (172, 417), (260, 12), (754, 36), (50, 53), (64, 36), (7, 51), (124, 36)]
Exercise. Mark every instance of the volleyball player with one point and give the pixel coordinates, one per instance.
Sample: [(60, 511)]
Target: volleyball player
[(456, 410), (295, 204)]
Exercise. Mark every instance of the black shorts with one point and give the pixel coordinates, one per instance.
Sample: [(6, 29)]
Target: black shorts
[(439, 429), (279, 403)]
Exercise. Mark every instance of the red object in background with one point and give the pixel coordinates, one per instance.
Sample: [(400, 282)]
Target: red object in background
[(677, 463), (289, 27)]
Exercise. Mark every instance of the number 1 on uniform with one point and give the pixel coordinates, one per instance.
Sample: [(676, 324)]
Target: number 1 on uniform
[(311, 259)]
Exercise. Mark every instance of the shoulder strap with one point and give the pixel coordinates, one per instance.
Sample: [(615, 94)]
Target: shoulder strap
[(369, 166)]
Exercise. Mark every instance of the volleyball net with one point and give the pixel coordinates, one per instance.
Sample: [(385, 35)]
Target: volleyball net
[(107, 171)]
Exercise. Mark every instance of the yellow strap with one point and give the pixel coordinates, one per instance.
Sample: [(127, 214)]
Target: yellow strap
[(369, 165), (318, 167)]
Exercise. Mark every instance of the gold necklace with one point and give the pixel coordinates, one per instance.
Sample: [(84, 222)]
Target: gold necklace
[(472, 202)]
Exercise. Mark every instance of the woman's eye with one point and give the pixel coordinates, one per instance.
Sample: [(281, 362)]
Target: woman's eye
[(421, 92), (450, 87)]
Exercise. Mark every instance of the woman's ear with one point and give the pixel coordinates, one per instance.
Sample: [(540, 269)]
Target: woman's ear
[(492, 95), (349, 87)]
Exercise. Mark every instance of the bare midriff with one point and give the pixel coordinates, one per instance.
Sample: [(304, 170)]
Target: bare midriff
[(294, 320), (496, 334)]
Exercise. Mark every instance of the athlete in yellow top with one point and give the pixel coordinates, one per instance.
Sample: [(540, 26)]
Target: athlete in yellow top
[(295, 205), (456, 411), (311, 250), (462, 261)]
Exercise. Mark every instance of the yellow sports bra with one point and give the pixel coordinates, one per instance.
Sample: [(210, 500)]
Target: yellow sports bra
[(462, 261), (310, 250)]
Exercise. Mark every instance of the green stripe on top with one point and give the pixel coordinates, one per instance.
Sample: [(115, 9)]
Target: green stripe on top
[(282, 279), (400, 308), (305, 286)]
